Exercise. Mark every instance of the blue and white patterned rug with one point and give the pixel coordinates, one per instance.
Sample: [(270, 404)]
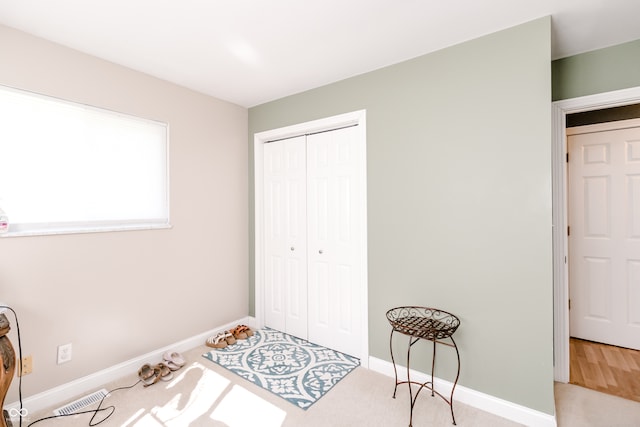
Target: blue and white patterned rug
[(292, 368)]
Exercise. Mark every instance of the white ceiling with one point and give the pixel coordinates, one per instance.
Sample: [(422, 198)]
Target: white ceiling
[(252, 51)]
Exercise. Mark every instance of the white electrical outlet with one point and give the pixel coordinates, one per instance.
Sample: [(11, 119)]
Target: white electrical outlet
[(64, 353)]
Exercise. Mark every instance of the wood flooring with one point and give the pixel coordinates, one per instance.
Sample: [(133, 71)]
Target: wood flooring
[(605, 368)]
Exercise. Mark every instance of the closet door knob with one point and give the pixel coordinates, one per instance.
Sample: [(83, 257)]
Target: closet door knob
[(320, 251), (292, 248)]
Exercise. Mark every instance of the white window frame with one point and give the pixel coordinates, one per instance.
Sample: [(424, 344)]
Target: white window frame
[(162, 221)]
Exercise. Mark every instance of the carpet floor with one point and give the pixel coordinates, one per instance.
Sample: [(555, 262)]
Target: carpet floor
[(203, 394)]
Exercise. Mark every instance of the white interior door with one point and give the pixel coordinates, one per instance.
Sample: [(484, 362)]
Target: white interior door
[(604, 239), (333, 238), (285, 228)]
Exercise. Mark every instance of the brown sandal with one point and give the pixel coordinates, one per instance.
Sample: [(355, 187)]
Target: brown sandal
[(228, 336), (148, 375), (239, 333), (165, 371), (247, 330), (219, 341)]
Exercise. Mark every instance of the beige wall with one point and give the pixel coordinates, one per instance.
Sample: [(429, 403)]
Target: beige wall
[(119, 295)]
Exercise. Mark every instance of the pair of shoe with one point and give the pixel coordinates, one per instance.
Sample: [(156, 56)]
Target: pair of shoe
[(242, 332), (149, 375), (223, 339), (173, 360)]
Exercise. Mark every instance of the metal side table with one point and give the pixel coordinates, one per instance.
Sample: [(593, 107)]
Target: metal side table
[(429, 324)]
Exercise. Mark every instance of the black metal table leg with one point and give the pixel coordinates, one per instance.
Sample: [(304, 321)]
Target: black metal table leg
[(429, 324), (395, 371), (455, 346)]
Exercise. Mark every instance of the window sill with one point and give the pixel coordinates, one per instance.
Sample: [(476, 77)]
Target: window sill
[(49, 231)]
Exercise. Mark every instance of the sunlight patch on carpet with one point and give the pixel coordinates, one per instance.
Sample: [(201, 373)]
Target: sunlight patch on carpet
[(294, 369), (232, 411)]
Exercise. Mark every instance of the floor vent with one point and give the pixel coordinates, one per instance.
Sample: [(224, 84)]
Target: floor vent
[(81, 403)]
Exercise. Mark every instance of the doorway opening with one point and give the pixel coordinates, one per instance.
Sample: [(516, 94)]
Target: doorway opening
[(605, 368), (578, 109)]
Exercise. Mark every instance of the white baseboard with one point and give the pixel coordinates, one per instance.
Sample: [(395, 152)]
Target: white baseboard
[(485, 402), (63, 393)]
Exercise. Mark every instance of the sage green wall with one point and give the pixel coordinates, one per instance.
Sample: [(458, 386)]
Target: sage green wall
[(459, 201), (602, 70)]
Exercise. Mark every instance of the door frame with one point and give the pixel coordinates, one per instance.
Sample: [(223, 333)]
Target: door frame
[(325, 124), (560, 109)]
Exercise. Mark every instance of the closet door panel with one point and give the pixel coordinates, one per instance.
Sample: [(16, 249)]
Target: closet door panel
[(333, 240), (319, 294), (285, 236)]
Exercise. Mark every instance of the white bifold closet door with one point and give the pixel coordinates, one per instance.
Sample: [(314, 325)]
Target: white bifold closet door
[(285, 221), (312, 275)]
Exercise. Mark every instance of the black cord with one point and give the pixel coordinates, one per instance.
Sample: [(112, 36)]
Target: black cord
[(95, 412)]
